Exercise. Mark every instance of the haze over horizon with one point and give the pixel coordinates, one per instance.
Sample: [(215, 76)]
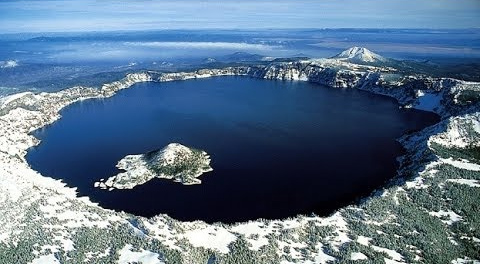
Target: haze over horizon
[(21, 16)]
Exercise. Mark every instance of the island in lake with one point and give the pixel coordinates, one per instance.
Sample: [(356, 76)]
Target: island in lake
[(175, 161)]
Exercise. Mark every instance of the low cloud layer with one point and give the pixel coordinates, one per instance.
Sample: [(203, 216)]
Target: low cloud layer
[(8, 64), (203, 45)]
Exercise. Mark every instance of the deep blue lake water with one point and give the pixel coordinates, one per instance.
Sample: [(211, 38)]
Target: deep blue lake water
[(278, 149)]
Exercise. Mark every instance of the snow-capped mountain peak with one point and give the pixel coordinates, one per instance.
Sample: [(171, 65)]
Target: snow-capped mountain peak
[(359, 54)]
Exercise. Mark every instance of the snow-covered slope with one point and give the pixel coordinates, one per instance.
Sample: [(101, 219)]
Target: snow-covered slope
[(359, 55)]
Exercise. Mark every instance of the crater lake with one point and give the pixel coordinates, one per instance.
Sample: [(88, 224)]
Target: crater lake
[(278, 149)]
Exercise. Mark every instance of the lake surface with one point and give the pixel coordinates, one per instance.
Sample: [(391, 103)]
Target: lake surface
[(278, 149)]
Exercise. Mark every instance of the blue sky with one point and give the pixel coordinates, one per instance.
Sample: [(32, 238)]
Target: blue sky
[(100, 15)]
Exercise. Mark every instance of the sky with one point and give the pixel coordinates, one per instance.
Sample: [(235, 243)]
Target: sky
[(109, 15)]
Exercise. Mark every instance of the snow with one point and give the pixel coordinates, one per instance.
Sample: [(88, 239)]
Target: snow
[(322, 257), (162, 231), (417, 183), (96, 255), (61, 211), (459, 132), (341, 230), (65, 244), (201, 76), (428, 101), (465, 260), (358, 256), (7, 99), (128, 256), (462, 164), (452, 216), (294, 247), (138, 168), (211, 237), (476, 126), (388, 219), (363, 240), (469, 182), (391, 261), (394, 255), (4, 237), (48, 259), (254, 228), (429, 171), (359, 54), (9, 191)]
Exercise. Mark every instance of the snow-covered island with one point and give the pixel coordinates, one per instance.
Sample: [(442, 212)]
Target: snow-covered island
[(175, 161), (427, 213)]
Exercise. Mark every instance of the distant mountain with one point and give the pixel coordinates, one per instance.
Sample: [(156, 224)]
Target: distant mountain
[(234, 57), (290, 59), (359, 55), (242, 56)]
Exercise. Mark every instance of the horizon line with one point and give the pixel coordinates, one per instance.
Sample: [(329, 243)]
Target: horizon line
[(237, 29)]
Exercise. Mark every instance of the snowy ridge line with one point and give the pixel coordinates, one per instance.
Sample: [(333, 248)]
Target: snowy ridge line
[(419, 92), (30, 202)]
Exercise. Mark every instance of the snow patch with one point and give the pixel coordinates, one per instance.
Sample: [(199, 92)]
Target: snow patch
[(460, 132), (358, 256), (465, 260), (7, 99), (211, 237), (451, 216), (341, 230), (255, 233), (462, 164), (394, 255), (48, 259), (391, 261), (428, 101), (144, 256), (363, 240), (469, 182), (320, 256)]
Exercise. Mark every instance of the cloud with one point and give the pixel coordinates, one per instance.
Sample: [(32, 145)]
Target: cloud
[(203, 45), (8, 64)]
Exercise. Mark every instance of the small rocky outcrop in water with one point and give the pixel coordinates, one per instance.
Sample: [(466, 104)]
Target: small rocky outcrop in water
[(175, 161)]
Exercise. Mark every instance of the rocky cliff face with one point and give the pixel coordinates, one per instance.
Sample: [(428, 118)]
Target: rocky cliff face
[(444, 96)]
